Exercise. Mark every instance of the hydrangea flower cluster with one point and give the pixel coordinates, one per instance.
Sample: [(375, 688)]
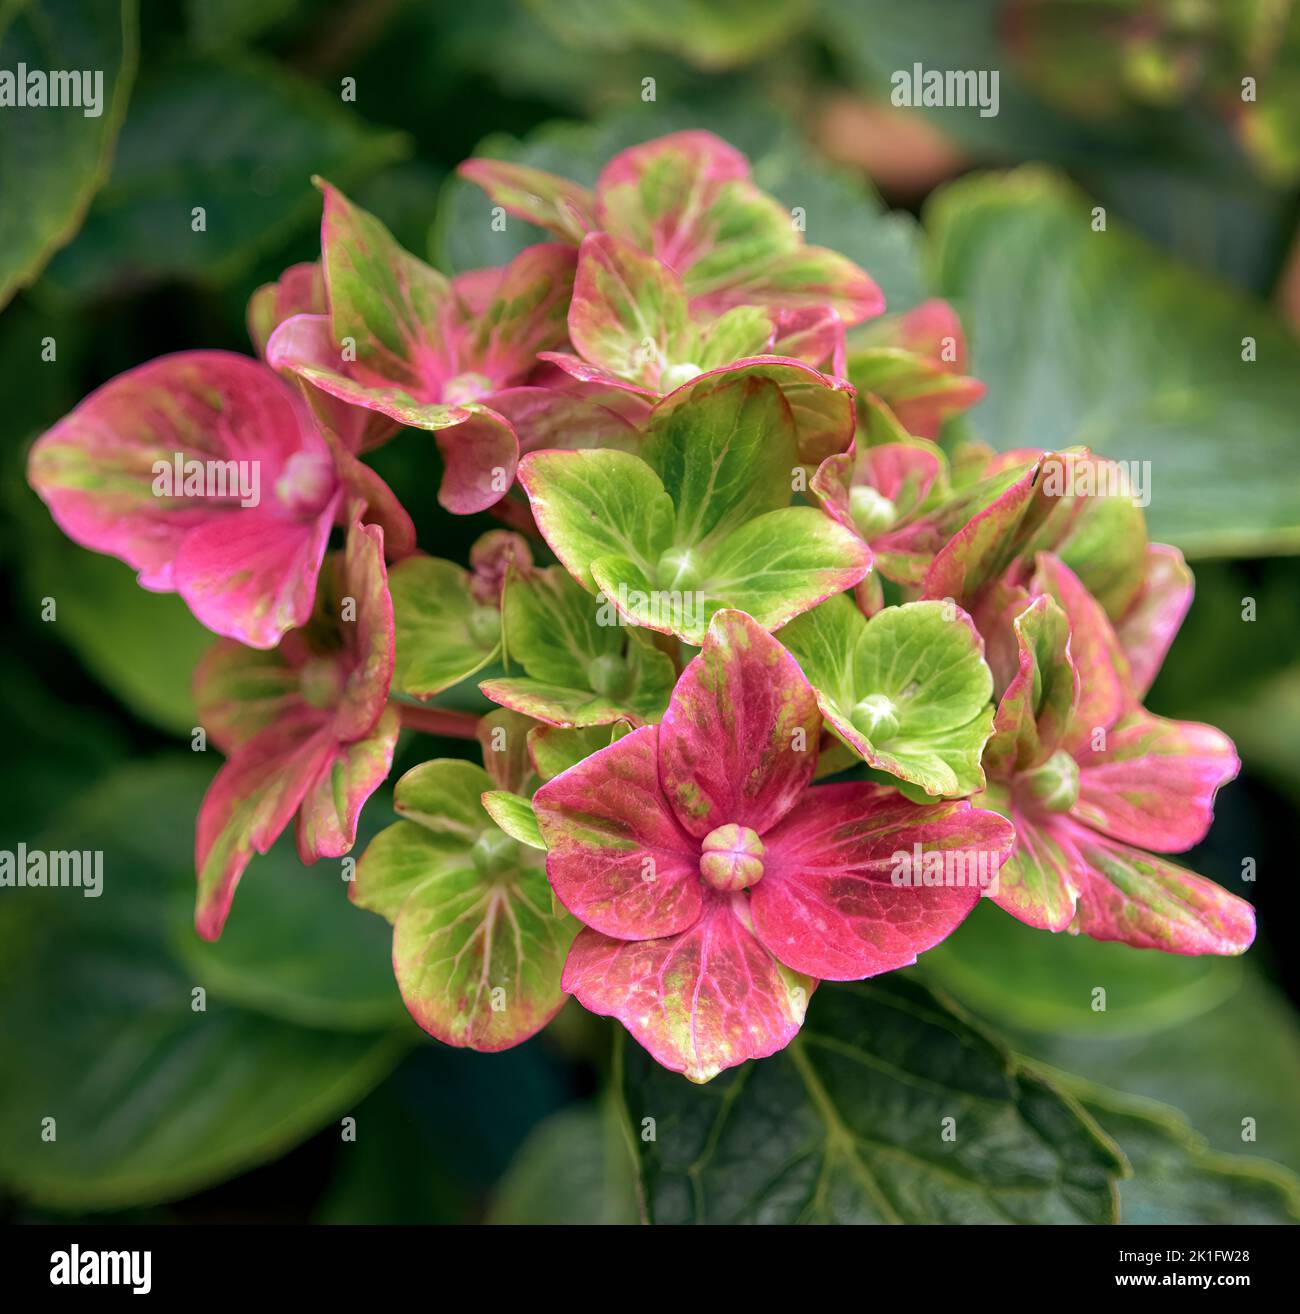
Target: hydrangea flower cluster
[(784, 683)]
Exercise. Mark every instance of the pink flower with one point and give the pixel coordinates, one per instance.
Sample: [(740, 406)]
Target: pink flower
[(942, 546), (208, 475), (688, 200), (716, 883), (431, 353), (307, 728), (246, 565), (1096, 785), (915, 364)]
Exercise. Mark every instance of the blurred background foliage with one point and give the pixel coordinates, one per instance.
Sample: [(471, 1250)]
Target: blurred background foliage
[(1129, 341)]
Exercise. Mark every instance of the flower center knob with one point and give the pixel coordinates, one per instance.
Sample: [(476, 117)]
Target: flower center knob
[(493, 852), (732, 858), (306, 483), (872, 512), (876, 717), (485, 626), (676, 569), (609, 675), (675, 375), (1054, 786)]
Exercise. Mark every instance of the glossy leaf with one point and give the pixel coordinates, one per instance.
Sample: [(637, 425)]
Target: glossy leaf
[(847, 1126)]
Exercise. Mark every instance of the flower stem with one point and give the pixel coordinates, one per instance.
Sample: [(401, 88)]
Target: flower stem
[(439, 721)]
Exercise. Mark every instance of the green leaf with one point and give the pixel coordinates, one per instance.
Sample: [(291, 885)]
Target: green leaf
[(295, 948), (908, 690), (574, 1169), (241, 138), (585, 666), (712, 34), (515, 816), (592, 504), (477, 948), (56, 159), (1175, 1177), (443, 634), (1022, 977), (152, 1097), (1233, 1071), (1053, 307), (725, 457), (848, 1125), (141, 646)]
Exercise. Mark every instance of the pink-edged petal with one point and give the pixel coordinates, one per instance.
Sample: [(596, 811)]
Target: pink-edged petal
[(252, 577), (394, 311), (239, 691), (629, 315), (844, 892), (368, 633), (932, 329), (95, 468), (299, 291), (616, 856), (577, 368), (699, 1002), (479, 459), (525, 314), (1094, 651), (1155, 782), (305, 346), (302, 346), (1154, 616), (1040, 882), (933, 397), (814, 334), (249, 803), (901, 472), (1039, 701), (688, 199), (1151, 903), (821, 405), (981, 549), (798, 276), (544, 418), (738, 743), (659, 194), (556, 204), (345, 778)]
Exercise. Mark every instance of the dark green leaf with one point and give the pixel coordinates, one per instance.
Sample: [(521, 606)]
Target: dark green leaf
[(848, 1125), (56, 159)]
